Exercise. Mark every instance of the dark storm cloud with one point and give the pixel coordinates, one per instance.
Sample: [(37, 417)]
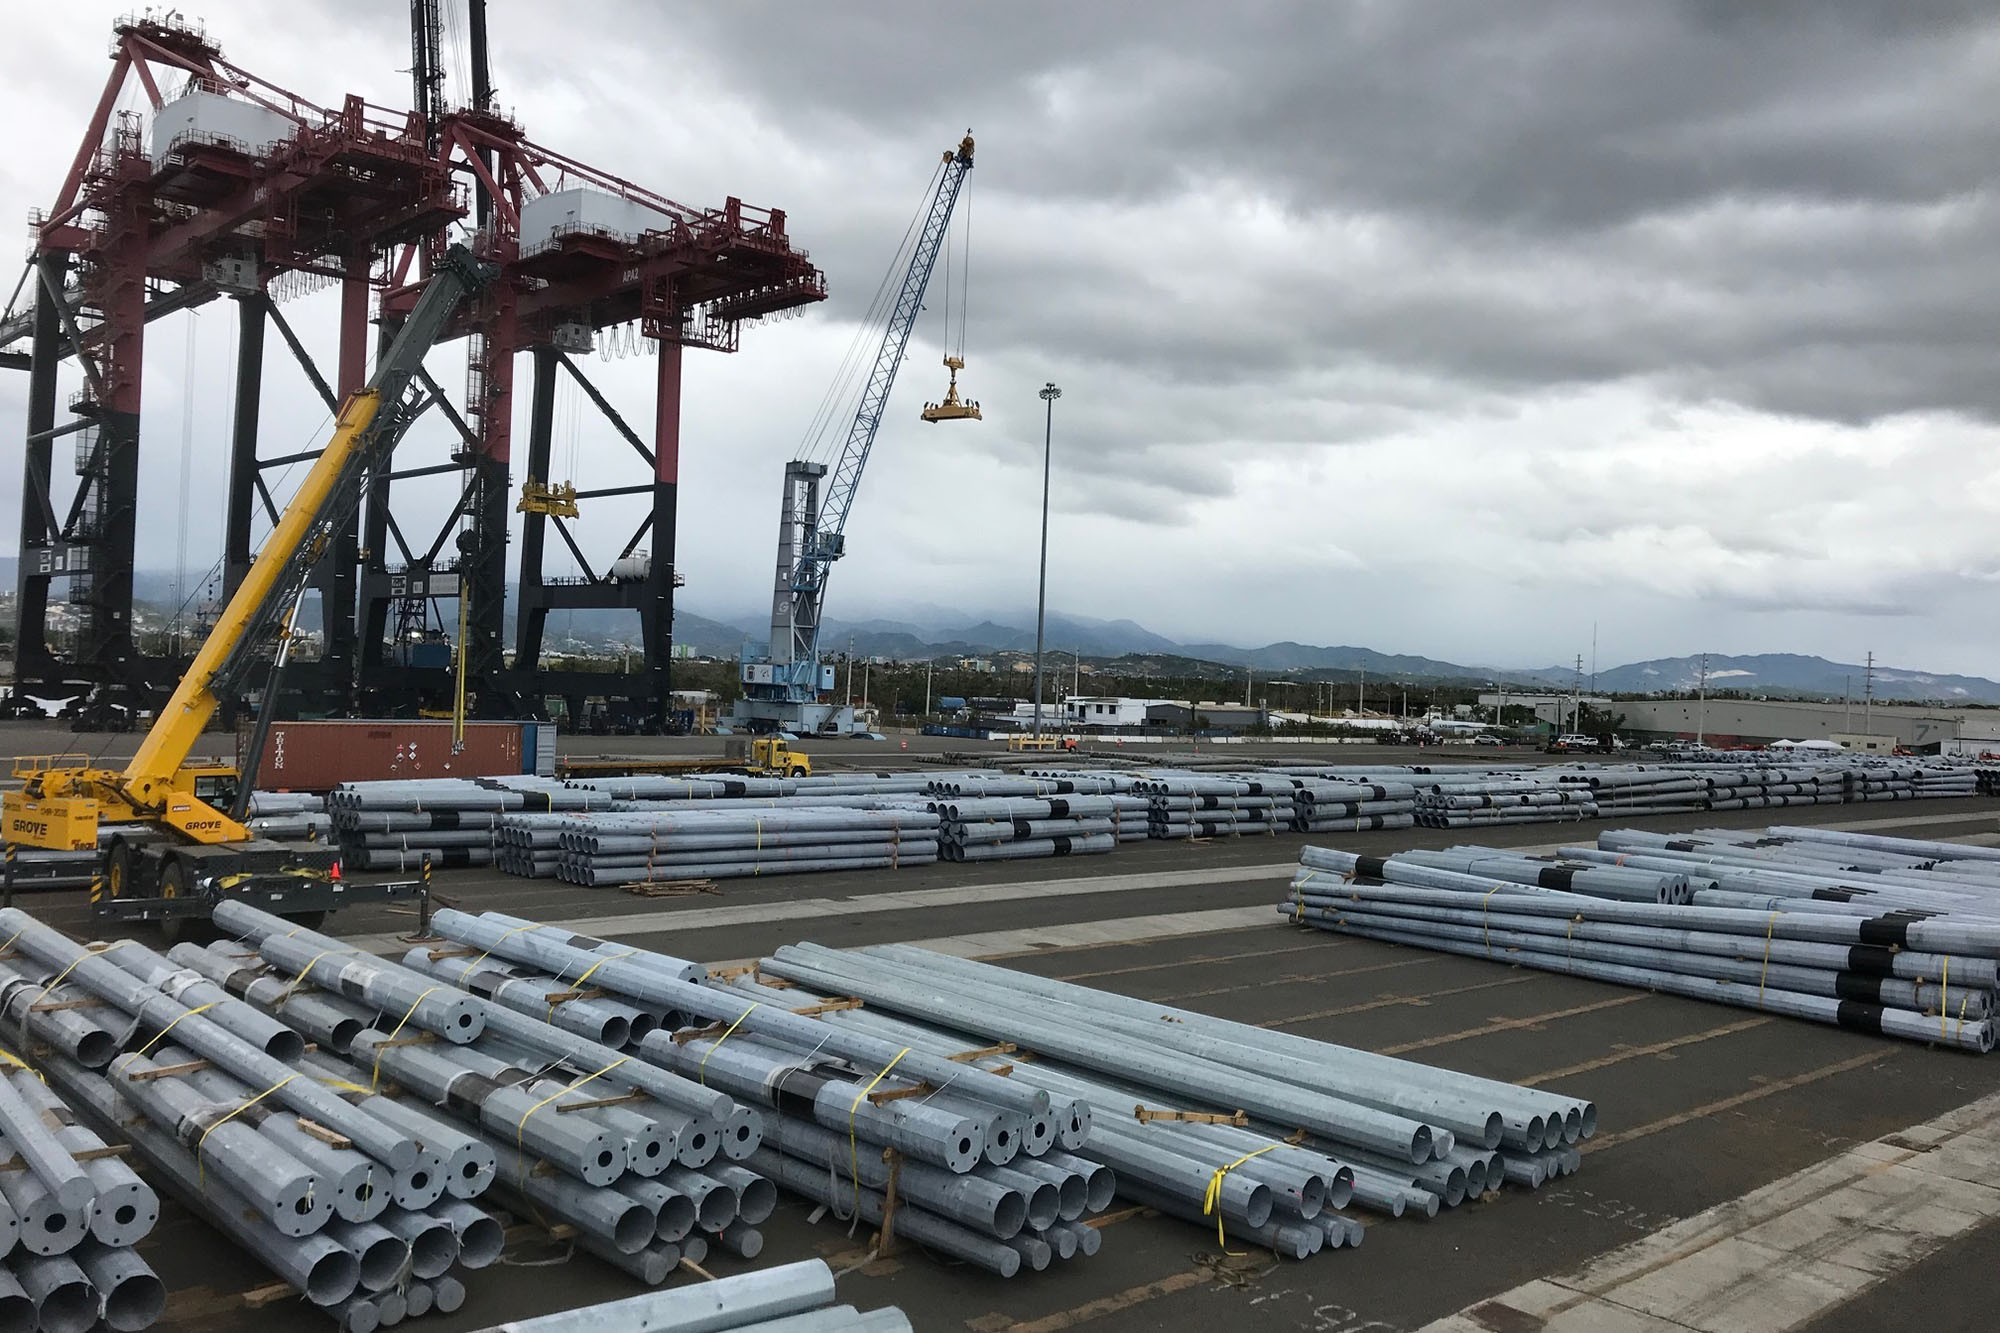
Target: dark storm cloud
[(1436, 324), (1788, 206)]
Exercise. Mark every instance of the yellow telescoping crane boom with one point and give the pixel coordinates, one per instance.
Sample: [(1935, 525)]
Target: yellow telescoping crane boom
[(196, 845)]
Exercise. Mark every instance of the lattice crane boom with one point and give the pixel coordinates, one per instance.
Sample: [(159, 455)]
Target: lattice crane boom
[(813, 517)]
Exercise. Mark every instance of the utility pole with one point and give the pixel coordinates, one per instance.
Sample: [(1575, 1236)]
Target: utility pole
[(1361, 693), (1049, 395), (1246, 687), (1701, 715), (927, 687), (1576, 698), (850, 671), (1847, 703), (1868, 696)]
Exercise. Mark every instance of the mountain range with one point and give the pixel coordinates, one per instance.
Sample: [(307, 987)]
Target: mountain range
[(1789, 675), (927, 632)]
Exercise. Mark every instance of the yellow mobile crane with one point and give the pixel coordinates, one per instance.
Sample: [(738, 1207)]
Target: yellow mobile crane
[(197, 851)]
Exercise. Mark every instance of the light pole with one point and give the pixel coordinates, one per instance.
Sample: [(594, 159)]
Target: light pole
[(1049, 395)]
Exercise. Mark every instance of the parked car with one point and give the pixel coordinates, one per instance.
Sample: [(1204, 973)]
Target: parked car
[(1487, 738)]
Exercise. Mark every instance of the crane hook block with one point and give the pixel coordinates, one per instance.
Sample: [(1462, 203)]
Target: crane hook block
[(953, 408)]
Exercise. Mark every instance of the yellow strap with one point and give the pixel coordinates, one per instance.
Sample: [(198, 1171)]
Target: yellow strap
[(170, 1027), (86, 954), (344, 1086), (1769, 926), (497, 943), (375, 1077), (854, 1153), (9, 1058), (1944, 996), (201, 1171), (578, 983), (701, 1070), (1211, 1202), (306, 971), (521, 1126), (1485, 930), (608, 958)]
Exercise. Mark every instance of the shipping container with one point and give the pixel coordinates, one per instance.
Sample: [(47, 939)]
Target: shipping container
[(317, 756)]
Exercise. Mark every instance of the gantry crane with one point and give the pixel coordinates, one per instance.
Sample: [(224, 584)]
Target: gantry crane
[(195, 849), (782, 681)]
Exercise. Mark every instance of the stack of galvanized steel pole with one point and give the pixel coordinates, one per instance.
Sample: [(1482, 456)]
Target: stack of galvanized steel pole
[(1637, 790), (1203, 806), (1007, 828), (643, 1163), (345, 1205), (1321, 805), (1063, 782), (1758, 787), (626, 846), (1259, 1133), (949, 1156), (1478, 800), (1890, 936), (71, 1211), (397, 825), (797, 1298), (289, 816)]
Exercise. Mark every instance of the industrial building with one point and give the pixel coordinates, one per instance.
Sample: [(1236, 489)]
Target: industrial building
[(1865, 727)]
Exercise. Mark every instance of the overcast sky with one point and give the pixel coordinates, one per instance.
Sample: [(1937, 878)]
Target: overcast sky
[(1440, 328)]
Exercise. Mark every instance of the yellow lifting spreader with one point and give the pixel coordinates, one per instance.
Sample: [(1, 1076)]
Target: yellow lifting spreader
[(952, 408), (557, 501)]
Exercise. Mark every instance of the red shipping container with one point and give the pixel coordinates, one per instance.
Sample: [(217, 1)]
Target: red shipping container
[(318, 756)]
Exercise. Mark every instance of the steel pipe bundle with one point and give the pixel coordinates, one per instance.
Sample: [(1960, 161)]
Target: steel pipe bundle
[(561, 1127), (1114, 1053), (1322, 805), (1928, 979), (616, 847), (394, 824), (286, 816), (1533, 797), (1196, 805), (345, 1195), (70, 1214), (994, 784), (985, 1163), (1001, 828)]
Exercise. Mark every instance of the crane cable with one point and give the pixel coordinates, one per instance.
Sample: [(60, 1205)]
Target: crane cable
[(847, 385), (957, 280), (964, 281)]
